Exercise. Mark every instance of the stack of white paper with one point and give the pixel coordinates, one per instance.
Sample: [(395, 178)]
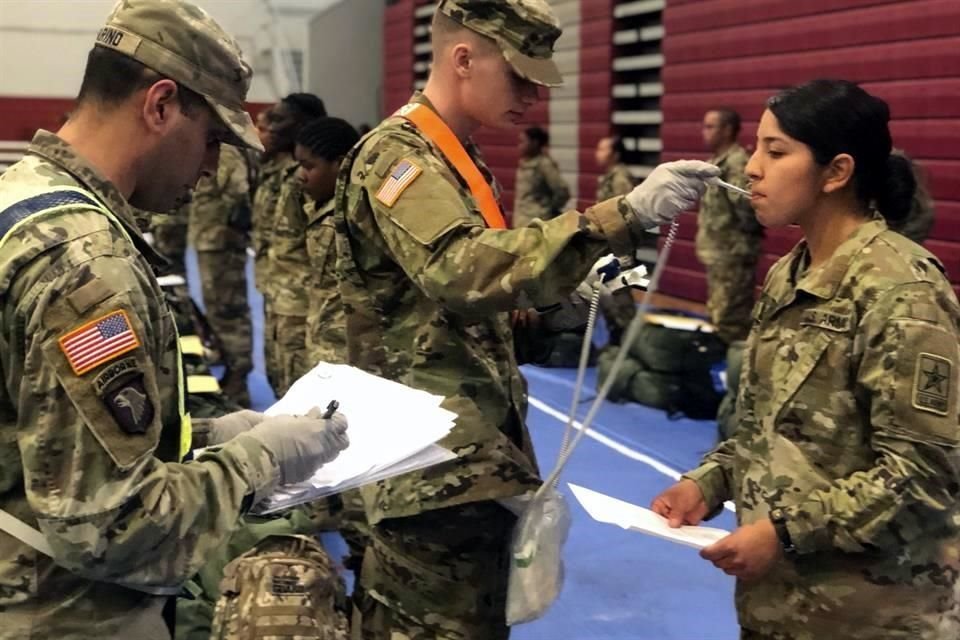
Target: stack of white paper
[(393, 430), (603, 508)]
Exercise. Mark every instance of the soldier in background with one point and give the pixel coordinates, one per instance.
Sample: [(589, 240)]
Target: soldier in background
[(320, 150), (284, 289), (540, 191), (218, 212), (169, 232), (619, 307), (729, 237), (429, 276), (321, 147), (265, 195)]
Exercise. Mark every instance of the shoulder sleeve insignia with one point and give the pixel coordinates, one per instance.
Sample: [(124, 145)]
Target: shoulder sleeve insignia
[(99, 341), (397, 182), (931, 384), (130, 405)]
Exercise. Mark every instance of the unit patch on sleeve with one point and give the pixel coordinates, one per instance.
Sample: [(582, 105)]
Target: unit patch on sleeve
[(397, 182), (122, 390), (931, 384), (99, 341)]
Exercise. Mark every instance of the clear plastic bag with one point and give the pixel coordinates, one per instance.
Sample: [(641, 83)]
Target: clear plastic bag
[(536, 556)]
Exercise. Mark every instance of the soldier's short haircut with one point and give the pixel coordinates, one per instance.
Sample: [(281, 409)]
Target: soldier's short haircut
[(729, 117), (328, 138), (444, 30), (306, 106), (538, 135), (111, 78)]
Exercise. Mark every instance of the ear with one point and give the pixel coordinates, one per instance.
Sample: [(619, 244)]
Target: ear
[(462, 57), (160, 105), (838, 173)]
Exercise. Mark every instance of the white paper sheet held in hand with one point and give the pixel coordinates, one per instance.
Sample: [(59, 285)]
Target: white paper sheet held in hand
[(393, 429), (603, 508)]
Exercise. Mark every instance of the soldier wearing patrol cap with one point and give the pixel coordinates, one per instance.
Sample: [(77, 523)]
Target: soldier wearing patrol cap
[(100, 522), (429, 274)]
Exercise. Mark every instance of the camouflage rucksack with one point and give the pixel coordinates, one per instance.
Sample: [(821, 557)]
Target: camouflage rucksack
[(284, 588)]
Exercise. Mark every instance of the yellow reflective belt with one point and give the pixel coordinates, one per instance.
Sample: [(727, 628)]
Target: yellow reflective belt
[(186, 426)]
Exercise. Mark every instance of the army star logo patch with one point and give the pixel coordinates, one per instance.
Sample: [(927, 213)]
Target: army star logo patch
[(931, 384), (397, 182), (98, 341)]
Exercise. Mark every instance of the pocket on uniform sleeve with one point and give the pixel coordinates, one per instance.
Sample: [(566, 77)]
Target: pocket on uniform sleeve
[(420, 200), (927, 382), (105, 372)]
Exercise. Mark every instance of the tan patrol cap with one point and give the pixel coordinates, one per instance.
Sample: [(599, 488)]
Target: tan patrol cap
[(182, 42), (526, 31)]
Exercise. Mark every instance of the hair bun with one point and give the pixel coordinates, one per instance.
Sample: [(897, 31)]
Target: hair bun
[(894, 195)]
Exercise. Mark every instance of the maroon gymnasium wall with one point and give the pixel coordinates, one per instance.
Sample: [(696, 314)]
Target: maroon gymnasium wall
[(739, 52)]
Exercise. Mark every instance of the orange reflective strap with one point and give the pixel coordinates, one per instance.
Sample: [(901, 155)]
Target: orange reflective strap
[(437, 131)]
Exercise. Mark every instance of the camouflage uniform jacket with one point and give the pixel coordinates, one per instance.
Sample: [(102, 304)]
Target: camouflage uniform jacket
[(848, 406), (289, 266), (427, 290), (541, 192), (326, 326), (214, 200), (727, 225), (265, 199), (89, 458), (615, 182)]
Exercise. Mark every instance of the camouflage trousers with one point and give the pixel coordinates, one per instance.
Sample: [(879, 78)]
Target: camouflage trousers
[(261, 266), (285, 348), (730, 287), (223, 279), (170, 240), (618, 310), (439, 575)]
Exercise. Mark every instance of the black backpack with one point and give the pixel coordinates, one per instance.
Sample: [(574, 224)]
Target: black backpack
[(673, 369)]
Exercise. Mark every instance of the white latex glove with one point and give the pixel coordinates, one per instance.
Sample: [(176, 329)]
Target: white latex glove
[(670, 189), (302, 444), (225, 428)]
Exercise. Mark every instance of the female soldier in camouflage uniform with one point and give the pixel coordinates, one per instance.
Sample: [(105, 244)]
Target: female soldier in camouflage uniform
[(844, 467)]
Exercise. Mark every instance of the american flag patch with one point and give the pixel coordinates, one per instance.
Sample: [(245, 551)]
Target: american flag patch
[(400, 178), (99, 341)]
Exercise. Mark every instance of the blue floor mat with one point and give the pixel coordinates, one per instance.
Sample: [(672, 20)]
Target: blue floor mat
[(621, 584)]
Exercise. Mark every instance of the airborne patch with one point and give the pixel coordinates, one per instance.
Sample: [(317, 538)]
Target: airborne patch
[(121, 388), (130, 405), (397, 182), (931, 384)]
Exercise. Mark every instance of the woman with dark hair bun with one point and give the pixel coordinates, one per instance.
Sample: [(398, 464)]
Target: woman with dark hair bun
[(844, 466)]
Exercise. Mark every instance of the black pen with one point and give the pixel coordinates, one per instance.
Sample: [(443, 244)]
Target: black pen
[(331, 409)]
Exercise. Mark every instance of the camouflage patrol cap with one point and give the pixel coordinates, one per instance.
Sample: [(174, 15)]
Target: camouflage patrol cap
[(182, 42), (525, 30)]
